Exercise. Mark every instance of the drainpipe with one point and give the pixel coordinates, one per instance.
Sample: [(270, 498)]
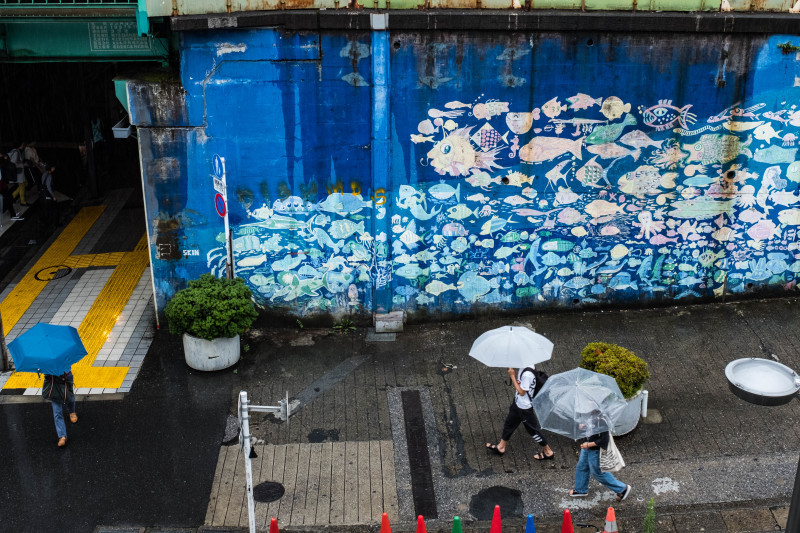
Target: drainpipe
[(379, 23)]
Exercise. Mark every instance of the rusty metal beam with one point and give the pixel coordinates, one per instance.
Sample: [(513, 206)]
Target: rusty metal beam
[(499, 20)]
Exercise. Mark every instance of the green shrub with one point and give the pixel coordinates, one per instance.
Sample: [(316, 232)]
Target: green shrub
[(211, 308), (618, 362)]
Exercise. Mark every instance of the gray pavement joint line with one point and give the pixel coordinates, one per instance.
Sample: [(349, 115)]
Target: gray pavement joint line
[(402, 467), (325, 382)]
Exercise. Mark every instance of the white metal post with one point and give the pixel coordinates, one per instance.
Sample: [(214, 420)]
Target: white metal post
[(228, 240), (244, 441)]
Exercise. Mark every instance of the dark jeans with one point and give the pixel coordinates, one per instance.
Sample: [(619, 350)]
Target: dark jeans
[(8, 202), (527, 418)]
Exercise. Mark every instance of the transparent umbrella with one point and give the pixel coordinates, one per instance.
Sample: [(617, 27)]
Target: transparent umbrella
[(578, 403), (511, 347)]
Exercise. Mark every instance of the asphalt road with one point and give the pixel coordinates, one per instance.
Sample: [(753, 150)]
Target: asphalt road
[(146, 459)]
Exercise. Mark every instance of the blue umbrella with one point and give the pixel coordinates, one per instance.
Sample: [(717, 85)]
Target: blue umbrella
[(47, 349)]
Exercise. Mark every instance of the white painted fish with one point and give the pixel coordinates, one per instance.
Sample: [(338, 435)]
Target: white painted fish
[(516, 200), (505, 251), (613, 151), (479, 197), (460, 212), (494, 224), (443, 191), (341, 229), (437, 287), (639, 139), (541, 149), (289, 262)]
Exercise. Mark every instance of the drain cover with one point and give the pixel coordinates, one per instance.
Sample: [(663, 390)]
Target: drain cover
[(269, 491), (482, 504)]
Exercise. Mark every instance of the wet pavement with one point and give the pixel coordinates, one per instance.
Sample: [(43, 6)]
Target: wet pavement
[(390, 425)]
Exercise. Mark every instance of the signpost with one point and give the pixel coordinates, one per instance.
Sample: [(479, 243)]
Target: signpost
[(221, 205)]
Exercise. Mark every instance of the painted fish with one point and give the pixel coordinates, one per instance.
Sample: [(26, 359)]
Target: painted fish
[(437, 287), (454, 229), (480, 179), (412, 271), (541, 149), (505, 251), (702, 208), (520, 123), (472, 286), (639, 139), (664, 115), (583, 101), (443, 191), (456, 156), (716, 148), (325, 240), (494, 224), (607, 134), (775, 155), (460, 212), (289, 262), (480, 197), (552, 108), (344, 203), (341, 229), (613, 151), (601, 208), (612, 108), (416, 138)]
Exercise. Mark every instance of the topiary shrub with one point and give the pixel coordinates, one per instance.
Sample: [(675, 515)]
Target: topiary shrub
[(620, 363), (211, 307)]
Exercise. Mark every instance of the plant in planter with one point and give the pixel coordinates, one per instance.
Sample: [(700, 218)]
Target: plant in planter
[(210, 314), (628, 370)]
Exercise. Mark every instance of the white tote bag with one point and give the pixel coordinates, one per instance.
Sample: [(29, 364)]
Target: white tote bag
[(610, 458)]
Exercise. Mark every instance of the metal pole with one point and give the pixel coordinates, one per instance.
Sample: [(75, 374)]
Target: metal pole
[(228, 240), (7, 363), (244, 416)]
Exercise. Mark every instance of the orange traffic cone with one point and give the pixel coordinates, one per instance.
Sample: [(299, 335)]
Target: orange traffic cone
[(273, 526), (421, 525), (611, 521), (385, 527), (496, 526), (566, 524)]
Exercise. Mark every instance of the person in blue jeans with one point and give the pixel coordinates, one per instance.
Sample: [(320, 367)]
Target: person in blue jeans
[(589, 465), (59, 390)]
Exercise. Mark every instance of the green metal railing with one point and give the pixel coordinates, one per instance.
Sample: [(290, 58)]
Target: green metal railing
[(68, 3)]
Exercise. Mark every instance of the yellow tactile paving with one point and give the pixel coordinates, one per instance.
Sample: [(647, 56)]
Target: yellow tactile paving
[(28, 289), (103, 314)]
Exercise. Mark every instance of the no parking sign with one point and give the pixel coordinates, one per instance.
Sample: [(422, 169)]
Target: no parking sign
[(219, 203)]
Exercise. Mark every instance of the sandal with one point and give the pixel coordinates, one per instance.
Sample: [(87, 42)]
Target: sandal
[(493, 448), (543, 457), (575, 494)]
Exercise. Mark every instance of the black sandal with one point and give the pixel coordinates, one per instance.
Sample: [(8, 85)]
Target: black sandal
[(493, 448), (541, 456)]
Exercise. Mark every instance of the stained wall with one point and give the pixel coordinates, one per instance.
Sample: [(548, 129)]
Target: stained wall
[(525, 170)]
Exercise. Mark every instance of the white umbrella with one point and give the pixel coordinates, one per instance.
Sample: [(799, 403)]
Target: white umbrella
[(511, 347)]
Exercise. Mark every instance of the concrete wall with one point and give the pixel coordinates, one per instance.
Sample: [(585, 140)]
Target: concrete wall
[(524, 169)]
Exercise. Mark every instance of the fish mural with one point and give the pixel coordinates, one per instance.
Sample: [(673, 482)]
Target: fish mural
[(582, 199)]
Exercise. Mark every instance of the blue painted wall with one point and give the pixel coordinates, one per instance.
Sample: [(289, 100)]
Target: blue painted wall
[(510, 171)]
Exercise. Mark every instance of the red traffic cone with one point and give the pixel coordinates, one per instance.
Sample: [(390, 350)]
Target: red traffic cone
[(421, 525), (566, 524), (385, 527), (611, 521), (273, 526), (496, 526)]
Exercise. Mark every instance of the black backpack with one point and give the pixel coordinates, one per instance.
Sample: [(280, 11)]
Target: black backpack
[(540, 376)]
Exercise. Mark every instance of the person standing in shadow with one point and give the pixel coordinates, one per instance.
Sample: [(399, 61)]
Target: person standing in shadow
[(52, 216)]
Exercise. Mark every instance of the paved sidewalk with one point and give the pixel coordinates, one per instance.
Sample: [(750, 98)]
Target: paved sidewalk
[(709, 460), (92, 274)]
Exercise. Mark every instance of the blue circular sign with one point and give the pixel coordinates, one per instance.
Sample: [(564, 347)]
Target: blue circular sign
[(219, 203), (219, 166)]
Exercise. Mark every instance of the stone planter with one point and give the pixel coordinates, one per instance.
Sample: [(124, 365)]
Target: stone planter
[(629, 419), (216, 354)]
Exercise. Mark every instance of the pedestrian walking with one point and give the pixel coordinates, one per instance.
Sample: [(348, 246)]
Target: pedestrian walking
[(8, 172), (17, 156), (52, 215), (589, 466), (35, 166), (521, 412), (59, 390)]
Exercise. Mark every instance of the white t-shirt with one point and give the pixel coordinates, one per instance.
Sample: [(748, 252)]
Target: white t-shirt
[(527, 382)]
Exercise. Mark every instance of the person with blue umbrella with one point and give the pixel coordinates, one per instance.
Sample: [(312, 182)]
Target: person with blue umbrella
[(51, 350)]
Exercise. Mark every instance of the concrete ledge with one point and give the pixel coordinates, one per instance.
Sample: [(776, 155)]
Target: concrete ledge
[(499, 20)]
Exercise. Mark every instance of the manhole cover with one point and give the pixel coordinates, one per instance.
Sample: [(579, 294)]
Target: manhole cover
[(269, 491), (482, 504)]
